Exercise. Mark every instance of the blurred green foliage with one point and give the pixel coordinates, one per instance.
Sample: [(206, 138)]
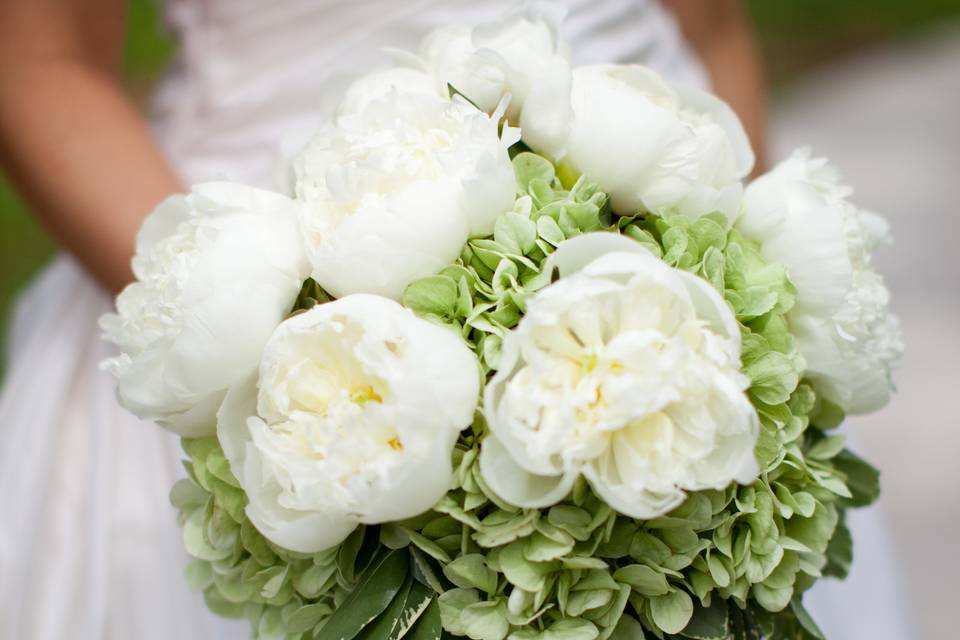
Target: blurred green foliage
[(794, 34)]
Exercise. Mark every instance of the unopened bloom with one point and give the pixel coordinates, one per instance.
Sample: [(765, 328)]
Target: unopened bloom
[(352, 420), (653, 146), (216, 272), (802, 217), (392, 192), (624, 371)]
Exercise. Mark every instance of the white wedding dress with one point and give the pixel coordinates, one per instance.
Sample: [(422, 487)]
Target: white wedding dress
[(89, 546)]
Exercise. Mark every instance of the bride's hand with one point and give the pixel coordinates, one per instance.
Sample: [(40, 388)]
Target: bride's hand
[(72, 142)]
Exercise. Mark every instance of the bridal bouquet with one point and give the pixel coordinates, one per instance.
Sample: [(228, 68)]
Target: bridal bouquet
[(518, 356)]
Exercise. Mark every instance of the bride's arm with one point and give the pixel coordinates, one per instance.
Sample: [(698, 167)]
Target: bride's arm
[(71, 140), (720, 32)]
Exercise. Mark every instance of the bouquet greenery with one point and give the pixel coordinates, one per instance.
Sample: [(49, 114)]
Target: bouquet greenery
[(569, 381)]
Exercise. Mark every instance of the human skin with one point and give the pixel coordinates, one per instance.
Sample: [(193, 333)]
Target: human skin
[(720, 33), (70, 139), (84, 159)]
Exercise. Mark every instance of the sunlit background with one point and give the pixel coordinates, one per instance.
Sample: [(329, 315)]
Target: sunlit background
[(874, 85)]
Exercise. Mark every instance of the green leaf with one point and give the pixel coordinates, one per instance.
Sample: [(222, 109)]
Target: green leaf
[(548, 229), (529, 576), (425, 571), (452, 604), (196, 543), (839, 552), (428, 546), (486, 620), (428, 626), (573, 520), (187, 495), (803, 617), (708, 623), (827, 447), (540, 548), (642, 579), (826, 414), (863, 479), (516, 232), (710, 232), (673, 611), (311, 294), (220, 606), (452, 91), (348, 554), (571, 629), (530, 166), (310, 582), (199, 574), (382, 627), (471, 571), (628, 629), (374, 592), (772, 599), (432, 295), (306, 617), (404, 611), (774, 376)]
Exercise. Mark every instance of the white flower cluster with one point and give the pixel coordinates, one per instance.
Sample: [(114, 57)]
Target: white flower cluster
[(625, 371)]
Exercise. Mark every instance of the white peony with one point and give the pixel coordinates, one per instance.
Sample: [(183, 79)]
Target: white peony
[(801, 215), (216, 272), (393, 192), (654, 146), (383, 85), (521, 56), (625, 371), (353, 420)]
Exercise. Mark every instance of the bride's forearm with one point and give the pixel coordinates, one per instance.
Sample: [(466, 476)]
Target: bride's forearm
[(84, 160), (82, 156), (720, 32)]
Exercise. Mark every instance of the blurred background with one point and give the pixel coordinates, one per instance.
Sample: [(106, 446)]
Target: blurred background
[(875, 86)]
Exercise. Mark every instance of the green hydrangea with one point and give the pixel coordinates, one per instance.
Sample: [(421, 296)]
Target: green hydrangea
[(726, 564)]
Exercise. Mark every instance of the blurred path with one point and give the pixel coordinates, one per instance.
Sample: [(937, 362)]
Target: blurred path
[(890, 119)]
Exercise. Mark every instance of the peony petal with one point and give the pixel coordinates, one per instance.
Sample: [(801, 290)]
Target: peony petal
[(384, 84), (640, 504), (826, 366), (415, 488), (300, 531), (720, 112), (712, 307), (304, 532), (197, 421), (576, 253), (238, 405), (517, 486), (162, 221), (382, 248)]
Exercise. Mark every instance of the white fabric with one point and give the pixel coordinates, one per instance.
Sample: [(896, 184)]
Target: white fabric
[(89, 546)]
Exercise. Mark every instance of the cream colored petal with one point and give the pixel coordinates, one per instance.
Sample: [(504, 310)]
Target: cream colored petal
[(641, 504), (721, 113), (515, 485), (576, 253)]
